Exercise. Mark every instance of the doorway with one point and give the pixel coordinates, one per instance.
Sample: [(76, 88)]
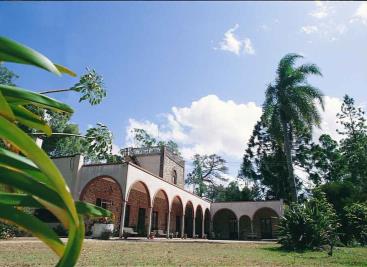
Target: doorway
[(266, 229), (141, 221)]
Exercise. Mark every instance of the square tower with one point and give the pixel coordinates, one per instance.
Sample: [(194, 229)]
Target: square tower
[(160, 160)]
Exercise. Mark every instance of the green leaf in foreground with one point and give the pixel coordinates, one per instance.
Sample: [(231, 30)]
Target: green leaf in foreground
[(12, 51)]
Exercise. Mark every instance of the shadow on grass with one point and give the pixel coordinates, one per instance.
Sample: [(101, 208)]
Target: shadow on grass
[(287, 251), (305, 254)]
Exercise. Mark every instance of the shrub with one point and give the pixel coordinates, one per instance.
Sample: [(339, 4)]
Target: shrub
[(355, 223), (105, 235), (310, 225), (7, 231), (295, 228), (116, 232)]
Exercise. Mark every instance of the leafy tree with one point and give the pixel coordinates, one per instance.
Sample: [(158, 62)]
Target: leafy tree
[(232, 192), (289, 108), (207, 171), (355, 223), (57, 145), (340, 194), (7, 77), (324, 161), (100, 142), (143, 139), (90, 85), (67, 140)]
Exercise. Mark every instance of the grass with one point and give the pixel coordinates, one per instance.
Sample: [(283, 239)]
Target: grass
[(122, 253)]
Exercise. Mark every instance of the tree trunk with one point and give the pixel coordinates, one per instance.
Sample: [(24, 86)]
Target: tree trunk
[(55, 91), (288, 156)]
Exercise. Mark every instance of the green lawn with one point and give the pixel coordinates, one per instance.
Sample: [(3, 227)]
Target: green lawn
[(121, 253)]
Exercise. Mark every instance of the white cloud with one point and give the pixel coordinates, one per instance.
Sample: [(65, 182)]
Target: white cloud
[(233, 44), (247, 47), (309, 29), (322, 10), (328, 30), (327, 24), (361, 13), (328, 124), (208, 125), (264, 27), (115, 149), (230, 42)]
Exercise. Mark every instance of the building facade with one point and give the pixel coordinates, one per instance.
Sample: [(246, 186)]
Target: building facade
[(146, 193)]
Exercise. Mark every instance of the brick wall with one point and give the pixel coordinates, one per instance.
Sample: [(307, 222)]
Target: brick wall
[(168, 168), (137, 199), (161, 206), (176, 211), (107, 190)]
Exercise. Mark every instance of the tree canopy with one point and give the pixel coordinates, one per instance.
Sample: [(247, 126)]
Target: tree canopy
[(143, 139)]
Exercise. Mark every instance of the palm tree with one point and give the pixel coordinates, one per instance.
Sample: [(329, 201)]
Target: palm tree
[(290, 107)]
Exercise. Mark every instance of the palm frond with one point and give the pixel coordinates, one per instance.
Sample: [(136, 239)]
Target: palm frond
[(308, 69), (286, 64)]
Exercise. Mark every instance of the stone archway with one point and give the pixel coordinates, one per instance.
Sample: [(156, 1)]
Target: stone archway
[(265, 223), (160, 212), (104, 191), (199, 221), (245, 227), (225, 225), (138, 208), (207, 223), (189, 219), (176, 216)]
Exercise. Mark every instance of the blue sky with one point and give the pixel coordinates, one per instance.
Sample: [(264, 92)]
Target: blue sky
[(195, 70)]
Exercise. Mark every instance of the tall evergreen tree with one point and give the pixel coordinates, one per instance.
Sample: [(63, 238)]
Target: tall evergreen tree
[(264, 162), (354, 144)]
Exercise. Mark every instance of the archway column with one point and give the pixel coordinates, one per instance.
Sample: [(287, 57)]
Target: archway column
[(193, 226), (150, 211), (238, 229), (203, 226), (210, 228), (122, 219), (182, 225), (168, 223)]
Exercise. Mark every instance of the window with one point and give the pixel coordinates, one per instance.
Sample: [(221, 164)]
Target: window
[(174, 177), (103, 203), (155, 220)]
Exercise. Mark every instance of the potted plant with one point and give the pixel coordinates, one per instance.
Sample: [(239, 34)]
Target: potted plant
[(101, 227)]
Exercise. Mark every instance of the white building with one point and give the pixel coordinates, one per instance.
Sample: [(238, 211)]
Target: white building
[(146, 193)]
